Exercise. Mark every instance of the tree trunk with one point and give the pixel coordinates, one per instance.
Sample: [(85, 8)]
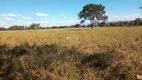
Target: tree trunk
[(92, 24)]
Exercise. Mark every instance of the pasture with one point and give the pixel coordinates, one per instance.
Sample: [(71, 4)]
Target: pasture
[(102, 53), (96, 39)]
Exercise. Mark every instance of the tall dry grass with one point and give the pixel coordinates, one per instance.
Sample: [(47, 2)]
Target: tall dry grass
[(63, 54), (87, 39)]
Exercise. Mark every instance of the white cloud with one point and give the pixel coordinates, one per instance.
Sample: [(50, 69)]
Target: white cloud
[(12, 15), (8, 18), (42, 14), (126, 17), (8, 15), (28, 23), (44, 22), (45, 19), (62, 22), (63, 15), (57, 23), (2, 22), (106, 13), (3, 15), (18, 20), (68, 21), (19, 15), (23, 17), (26, 17)]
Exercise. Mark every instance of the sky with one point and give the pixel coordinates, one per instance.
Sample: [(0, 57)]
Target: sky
[(62, 12)]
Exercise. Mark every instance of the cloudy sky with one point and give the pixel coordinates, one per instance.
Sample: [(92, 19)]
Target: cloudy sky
[(62, 12)]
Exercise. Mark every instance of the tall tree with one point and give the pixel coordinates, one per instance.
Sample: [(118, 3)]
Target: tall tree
[(94, 13), (138, 21), (34, 26)]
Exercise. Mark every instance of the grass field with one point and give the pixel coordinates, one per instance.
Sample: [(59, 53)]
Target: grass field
[(105, 53), (96, 39)]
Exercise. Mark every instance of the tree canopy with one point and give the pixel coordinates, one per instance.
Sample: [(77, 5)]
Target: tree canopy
[(34, 26), (94, 13)]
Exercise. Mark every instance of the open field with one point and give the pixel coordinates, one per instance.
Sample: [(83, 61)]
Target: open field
[(104, 53), (96, 39)]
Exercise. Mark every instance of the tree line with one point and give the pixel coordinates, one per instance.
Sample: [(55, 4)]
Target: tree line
[(136, 22), (33, 26)]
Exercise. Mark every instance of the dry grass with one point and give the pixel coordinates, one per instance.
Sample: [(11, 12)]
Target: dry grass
[(62, 54), (87, 39)]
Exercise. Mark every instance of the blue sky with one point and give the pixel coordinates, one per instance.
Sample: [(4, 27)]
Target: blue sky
[(62, 12)]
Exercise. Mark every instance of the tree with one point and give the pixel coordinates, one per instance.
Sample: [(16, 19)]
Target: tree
[(13, 27), (34, 26), (131, 23), (138, 21), (17, 27), (77, 25), (94, 13), (2, 28), (103, 24)]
